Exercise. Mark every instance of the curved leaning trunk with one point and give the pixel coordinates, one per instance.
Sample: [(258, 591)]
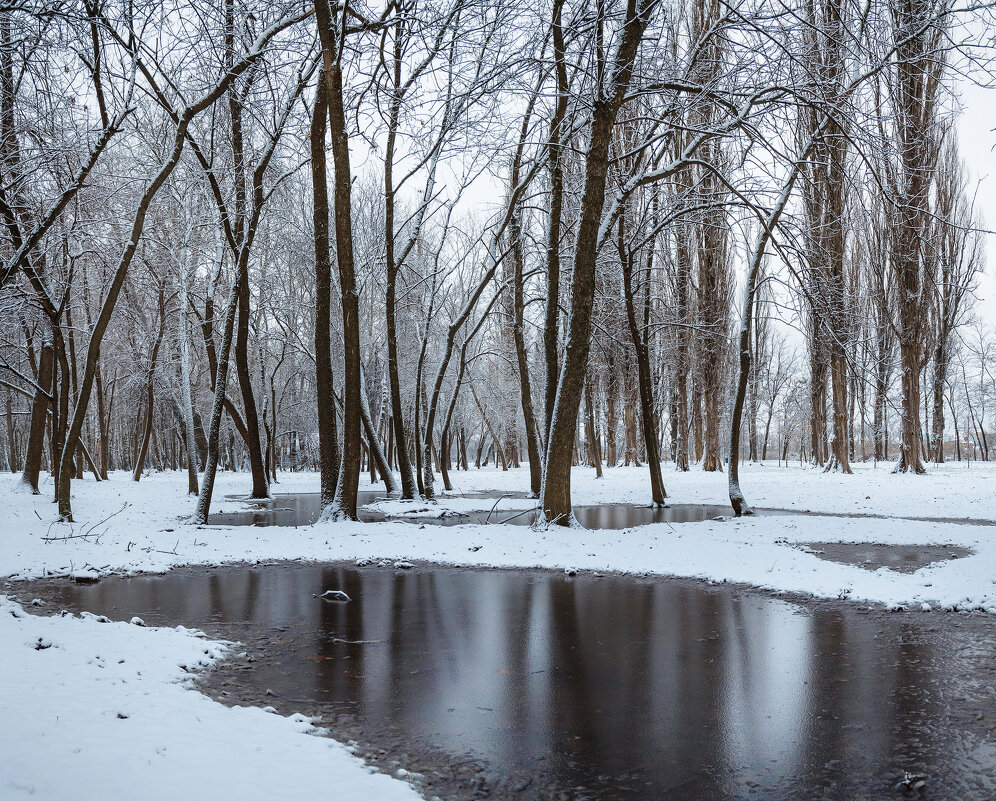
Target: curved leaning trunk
[(214, 430), (373, 441)]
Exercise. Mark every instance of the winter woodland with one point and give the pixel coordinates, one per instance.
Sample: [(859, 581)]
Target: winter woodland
[(421, 238)]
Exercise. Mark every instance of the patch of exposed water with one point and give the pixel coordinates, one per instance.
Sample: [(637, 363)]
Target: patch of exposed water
[(873, 555), (303, 509), (534, 685)]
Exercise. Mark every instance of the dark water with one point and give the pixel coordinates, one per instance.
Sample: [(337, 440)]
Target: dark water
[(532, 685), (302, 509), (872, 555)]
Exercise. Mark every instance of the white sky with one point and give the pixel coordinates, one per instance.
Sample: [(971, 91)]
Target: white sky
[(978, 146)]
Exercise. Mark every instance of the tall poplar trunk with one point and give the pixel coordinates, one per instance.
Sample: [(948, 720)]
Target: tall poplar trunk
[(328, 435), (409, 485), (260, 484), (332, 42), (555, 498), (918, 69), (518, 330), (551, 326), (611, 413)]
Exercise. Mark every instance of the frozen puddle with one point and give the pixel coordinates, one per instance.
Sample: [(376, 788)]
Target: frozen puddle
[(535, 685), (872, 556)]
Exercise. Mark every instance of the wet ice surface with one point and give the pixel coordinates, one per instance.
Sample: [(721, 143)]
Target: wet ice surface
[(872, 556), (302, 509), (533, 685)]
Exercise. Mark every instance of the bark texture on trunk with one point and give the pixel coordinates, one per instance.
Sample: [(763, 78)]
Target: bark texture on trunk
[(555, 498), (150, 387), (243, 237), (39, 416), (917, 76), (551, 328), (328, 435), (522, 361), (332, 42), (640, 345)]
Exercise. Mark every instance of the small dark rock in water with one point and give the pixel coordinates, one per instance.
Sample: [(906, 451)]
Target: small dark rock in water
[(911, 783)]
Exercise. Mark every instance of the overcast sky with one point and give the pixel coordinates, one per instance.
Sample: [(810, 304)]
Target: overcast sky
[(978, 146)]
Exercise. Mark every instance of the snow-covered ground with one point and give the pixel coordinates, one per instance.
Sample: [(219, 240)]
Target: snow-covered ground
[(66, 699), (128, 527), (96, 710)]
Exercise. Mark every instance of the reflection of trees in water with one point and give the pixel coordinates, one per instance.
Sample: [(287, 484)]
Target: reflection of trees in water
[(657, 687), (866, 703), (628, 694)]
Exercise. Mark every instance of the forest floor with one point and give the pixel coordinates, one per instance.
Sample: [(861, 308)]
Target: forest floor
[(100, 706)]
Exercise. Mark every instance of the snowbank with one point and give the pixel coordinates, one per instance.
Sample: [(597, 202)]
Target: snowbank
[(128, 527), (99, 710)]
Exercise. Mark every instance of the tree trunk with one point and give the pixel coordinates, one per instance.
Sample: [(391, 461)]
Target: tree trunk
[(409, 485), (838, 383), (518, 328), (39, 416), (817, 399), (150, 385), (611, 416), (910, 429), (650, 429), (13, 459), (939, 377), (378, 460), (260, 485), (555, 166), (555, 497), (590, 435), (328, 436), (332, 39), (214, 427)]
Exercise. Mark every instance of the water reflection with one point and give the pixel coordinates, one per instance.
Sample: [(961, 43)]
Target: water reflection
[(303, 509), (627, 689)]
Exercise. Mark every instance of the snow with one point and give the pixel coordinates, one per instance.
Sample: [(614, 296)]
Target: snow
[(98, 709), (101, 710), (143, 530), (334, 595)]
